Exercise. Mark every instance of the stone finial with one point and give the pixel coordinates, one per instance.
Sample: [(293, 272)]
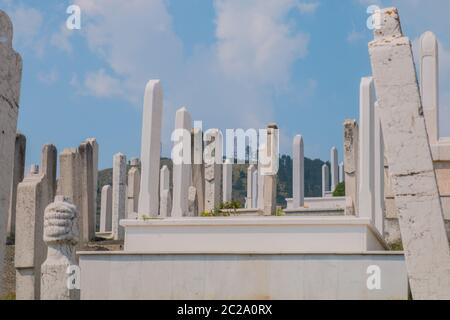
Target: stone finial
[(60, 222), (390, 24)]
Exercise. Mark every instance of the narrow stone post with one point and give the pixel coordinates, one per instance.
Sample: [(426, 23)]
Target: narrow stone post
[(18, 175), (30, 250), (134, 182), (227, 181), (165, 208), (270, 170), (334, 168), (341, 172), (351, 162), (298, 172), (367, 148), (106, 209), (10, 79), (255, 189), (410, 162), (95, 153), (181, 157), (325, 180), (429, 82), (61, 236), (249, 204), (86, 208), (213, 169), (151, 149), (198, 167), (379, 206), (119, 195), (192, 202), (49, 158)]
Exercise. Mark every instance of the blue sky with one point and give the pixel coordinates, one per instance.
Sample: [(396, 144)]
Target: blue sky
[(232, 63)]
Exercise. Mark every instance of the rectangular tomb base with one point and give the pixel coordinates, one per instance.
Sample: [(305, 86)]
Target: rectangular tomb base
[(143, 276), (252, 235)]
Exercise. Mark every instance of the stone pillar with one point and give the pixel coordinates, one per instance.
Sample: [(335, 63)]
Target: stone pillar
[(260, 197), (151, 149), (165, 207), (10, 79), (298, 173), (119, 195), (181, 157), (429, 82), (379, 207), (134, 182), (334, 168), (106, 209), (227, 181), (255, 189), (95, 152), (270, 171), (192, 202), (30, 250), (198, 167), (249, 204), (410, 162), (341, 172), (325, 180), (18, 175), (351, 162), (367, 147), (61, 236), (49, 158), (87, 208), (213, 169)]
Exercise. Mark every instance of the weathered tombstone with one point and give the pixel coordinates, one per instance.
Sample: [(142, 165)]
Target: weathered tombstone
[(165, 207), (30, 250), (86, 208), (410, 162), (198, 167), (134, 182), (255, 189), (334, 168), (298, 172), (151, 149), (119, 195), (250, 187), (379, 207), (429, 81), (366, 200), (192, 202), (61, 236), (95, 153), (227, 181), (270, 171), (106, 209), (18, 175), (351, 162), (49, 158), (181, 157), (325, 180), (341, 172), (10, 79), (213, 169)]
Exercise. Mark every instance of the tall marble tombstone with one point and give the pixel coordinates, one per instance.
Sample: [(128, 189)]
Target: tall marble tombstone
[(106, 209), (134, 182), (86, 209), (10, 79), (410, 162), (18, 175), (181, 157), (298, 172), (351, 162), (119, 195), (213, 169), (378, 183), (367, 148), (341, 172), (49, 158), (198, 167), (429, 81), (151, 149), (95, 154), (270, 170), (334, 168)]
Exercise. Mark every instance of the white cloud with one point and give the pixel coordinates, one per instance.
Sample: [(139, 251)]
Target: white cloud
[(355, 36), (61, 39), (100, 84), (48, 78), (308, 7)]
